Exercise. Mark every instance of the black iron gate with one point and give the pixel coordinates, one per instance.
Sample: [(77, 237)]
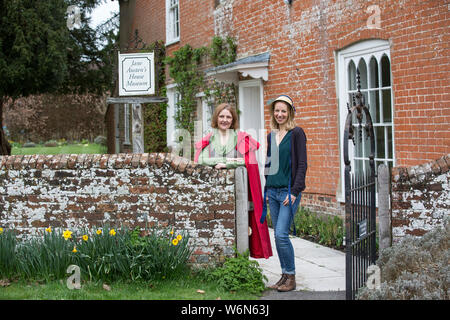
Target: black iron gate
[(359, 197)]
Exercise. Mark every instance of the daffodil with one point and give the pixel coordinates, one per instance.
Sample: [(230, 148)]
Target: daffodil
[(74, 249), (49, 229), (85, 237), (1, 230), (174, 242), (171, 232), (99, 231), (179, 237), (67, 234), (112, 232)]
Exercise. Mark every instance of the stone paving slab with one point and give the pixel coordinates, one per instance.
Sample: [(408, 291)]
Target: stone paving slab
[(318, 268)]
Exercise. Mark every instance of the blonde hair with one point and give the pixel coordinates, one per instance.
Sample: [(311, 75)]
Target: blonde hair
[(290, 123), (218, 110)]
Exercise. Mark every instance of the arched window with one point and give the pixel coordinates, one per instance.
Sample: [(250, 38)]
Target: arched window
[(372, 58)]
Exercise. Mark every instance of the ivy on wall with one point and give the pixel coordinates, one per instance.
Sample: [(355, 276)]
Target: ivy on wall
[(155, 114), (184, 68)]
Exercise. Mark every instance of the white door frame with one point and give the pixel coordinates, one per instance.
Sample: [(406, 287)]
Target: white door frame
[(260, 137)]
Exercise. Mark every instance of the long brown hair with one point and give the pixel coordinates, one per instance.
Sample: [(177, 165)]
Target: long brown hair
[(219, 109)]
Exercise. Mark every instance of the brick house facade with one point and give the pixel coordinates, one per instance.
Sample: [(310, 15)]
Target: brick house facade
[(312, 50)]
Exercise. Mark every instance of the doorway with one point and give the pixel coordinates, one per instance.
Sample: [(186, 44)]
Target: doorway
[(251, 109)]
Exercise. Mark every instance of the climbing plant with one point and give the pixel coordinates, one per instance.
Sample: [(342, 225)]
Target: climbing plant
[(155, 114), (222, 51), (184, 68)]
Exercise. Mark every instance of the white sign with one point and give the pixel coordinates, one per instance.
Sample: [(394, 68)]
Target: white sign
[(136, 74)]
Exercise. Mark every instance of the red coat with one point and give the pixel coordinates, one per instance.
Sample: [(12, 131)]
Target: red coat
[(260, 246)]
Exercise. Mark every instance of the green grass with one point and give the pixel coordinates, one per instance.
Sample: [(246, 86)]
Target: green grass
[(79, 148), (175, 289)]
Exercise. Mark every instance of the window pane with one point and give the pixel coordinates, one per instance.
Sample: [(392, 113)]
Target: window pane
[(379, 144), (363, 73), (358, 144), (373, 67), (390, 147), (359, 167), (377, 164), (385, 71), (177, 23), (366, 144), (374, 106), (387, 110), (351, 77)]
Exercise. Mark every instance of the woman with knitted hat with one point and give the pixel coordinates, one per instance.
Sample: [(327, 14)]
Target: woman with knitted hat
[(285, 173)]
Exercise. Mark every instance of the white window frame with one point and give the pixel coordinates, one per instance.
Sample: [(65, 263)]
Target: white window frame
[(172, 21), (365, 50)]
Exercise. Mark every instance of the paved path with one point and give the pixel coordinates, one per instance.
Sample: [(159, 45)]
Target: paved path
[(320, 271)]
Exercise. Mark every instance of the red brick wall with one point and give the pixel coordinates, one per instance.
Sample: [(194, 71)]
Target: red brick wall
[(303, 40), (77, 191)]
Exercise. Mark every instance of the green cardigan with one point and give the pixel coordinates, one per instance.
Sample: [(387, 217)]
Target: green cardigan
[(216, 153)]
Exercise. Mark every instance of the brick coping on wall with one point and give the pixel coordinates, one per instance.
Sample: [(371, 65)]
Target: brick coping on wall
[(421, 173), (115, 161)]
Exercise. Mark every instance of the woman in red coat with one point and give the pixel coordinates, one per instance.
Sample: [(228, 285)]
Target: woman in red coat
[(227, 147)]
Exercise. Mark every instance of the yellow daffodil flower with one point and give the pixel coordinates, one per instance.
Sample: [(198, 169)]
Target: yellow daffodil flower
[(179, 237), (49, 230), (85, 237), (67, 234), (112, 232), (99, 231), (74, 249), (1, 230), (174, 242)]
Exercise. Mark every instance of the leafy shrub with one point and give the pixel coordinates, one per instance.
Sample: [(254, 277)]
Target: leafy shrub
[(45, 117), (325, 230), (45, 257), (100, 140), (239, 273), (158, 254), (26, 145), (103, 254), (51, 143), (8, 244), (415, 268)]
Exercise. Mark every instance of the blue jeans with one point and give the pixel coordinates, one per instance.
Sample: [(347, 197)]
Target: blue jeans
[(281, 221)]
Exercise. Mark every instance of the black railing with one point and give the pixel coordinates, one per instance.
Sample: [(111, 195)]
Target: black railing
[(360, 211)]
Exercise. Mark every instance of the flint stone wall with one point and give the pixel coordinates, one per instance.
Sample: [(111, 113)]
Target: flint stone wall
[(420, 197), (132, 190)]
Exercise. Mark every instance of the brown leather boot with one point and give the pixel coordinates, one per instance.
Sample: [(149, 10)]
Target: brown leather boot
[(289, 284), (279, 283)]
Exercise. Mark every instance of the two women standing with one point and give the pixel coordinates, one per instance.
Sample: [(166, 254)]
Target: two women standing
[(285, 171)]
